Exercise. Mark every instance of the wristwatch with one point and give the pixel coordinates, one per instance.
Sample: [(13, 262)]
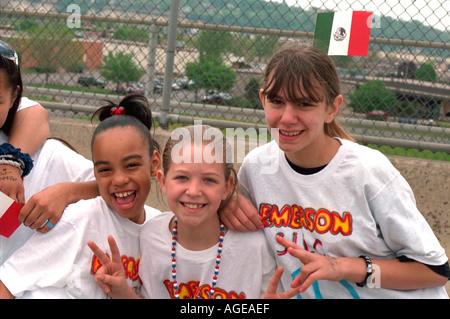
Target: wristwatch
[(369, 270)]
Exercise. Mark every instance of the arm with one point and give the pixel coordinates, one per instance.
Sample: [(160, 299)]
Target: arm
[(393, 273), (4, 292), (241, 215), (29, 131), (50, 203)]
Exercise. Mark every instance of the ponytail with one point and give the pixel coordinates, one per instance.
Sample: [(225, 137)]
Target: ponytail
[(133, 110)]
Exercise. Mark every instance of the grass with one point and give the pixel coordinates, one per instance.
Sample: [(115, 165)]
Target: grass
[(411, 152)]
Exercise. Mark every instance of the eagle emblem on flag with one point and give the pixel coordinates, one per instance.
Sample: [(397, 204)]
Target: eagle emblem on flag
[(340, 34)]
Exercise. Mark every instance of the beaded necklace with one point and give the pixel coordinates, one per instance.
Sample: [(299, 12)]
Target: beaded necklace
[(174, 260)]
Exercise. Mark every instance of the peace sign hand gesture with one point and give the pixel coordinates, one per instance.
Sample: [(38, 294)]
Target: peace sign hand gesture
[(111, 276), (271, 292)]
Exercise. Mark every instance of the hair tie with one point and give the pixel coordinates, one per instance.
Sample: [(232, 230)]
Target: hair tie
[(117, 110)]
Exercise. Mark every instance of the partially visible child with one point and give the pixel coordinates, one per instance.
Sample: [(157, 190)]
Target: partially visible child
[(23, 125), (25, 153), (58, 264), (188, 253)]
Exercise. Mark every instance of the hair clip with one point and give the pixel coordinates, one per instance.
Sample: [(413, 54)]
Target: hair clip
[(117, 110)]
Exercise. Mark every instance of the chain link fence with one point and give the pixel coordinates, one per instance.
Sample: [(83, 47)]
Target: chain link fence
[(205, 59)]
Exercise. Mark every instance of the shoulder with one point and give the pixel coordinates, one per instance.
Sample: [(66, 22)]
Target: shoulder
[(26, 103), (156, 227), (85, 209), (157, 220), (366, 158), (54, 152), (366, 167), (151, 212), (264, 159), (270, 148)]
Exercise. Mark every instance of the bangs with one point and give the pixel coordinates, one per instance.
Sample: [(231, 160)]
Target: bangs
[(293, 88), (301, 73), (289, 83)]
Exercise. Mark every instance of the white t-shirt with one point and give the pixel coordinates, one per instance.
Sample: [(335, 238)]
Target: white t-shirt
[(246, 266), (59, 264), (26, 103), (53, 163), (359, 204)]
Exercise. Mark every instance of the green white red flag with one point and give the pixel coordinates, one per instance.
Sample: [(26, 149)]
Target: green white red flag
[(343, 33)]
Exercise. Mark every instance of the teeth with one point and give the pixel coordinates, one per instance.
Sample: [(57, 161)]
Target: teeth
[(193, 206), (291, 133), (124, 194)]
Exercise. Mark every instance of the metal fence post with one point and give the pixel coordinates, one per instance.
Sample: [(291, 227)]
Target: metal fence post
[(170, 54), (153, 42)]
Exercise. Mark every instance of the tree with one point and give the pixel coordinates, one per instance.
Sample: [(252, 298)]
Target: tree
[(252, 93), (119, 68), (51, 46), (211, 73), (426, 72), (213, 43), (264, 45), (372, 95)]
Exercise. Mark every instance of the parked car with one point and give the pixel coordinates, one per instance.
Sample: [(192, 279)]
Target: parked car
[(158, 87), (184, 82), (130, 88), (91, 81), (216, 97), (377, 115), (136, 88)]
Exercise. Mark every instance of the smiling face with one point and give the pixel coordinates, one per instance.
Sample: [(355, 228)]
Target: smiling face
[(123, 169), (301, 126), (194, 191)]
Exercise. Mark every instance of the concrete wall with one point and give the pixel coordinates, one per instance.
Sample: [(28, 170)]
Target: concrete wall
[(430, 180)]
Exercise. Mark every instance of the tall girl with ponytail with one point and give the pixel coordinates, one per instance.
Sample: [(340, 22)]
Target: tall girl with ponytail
[(341, 219)]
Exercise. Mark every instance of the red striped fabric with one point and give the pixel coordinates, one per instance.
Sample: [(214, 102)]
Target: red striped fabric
[(359, 36)]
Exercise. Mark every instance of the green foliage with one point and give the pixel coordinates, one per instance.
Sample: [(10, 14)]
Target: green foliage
[(264, 45), (211, 73), (411, 152), (426, 72), (252, 94), (213, 43), (372, 95), (25, 25), (119, 67), (131, 33)]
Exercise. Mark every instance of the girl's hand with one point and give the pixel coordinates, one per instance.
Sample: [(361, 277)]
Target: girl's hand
[(271, 292), (11, 183), (241, 215), (111, 276), (48, 204), (315, 266)]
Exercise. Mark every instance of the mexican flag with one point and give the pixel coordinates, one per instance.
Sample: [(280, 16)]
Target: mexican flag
[(343, 33), (9, 215)]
